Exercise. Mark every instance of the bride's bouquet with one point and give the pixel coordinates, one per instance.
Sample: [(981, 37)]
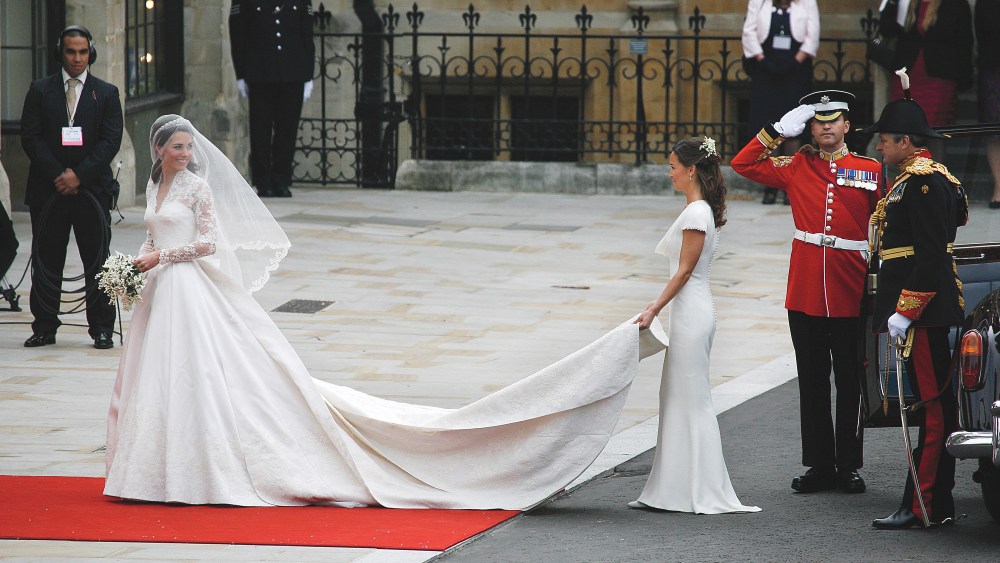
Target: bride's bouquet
[(120, 278)]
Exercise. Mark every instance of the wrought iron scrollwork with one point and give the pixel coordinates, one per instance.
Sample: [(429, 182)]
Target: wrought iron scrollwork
[(531, 94)]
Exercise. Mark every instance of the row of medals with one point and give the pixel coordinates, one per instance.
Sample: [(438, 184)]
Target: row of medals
[(856, 178)]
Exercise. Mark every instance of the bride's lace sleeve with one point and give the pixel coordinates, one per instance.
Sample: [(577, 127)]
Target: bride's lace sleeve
[(148, 245), (203, 207)]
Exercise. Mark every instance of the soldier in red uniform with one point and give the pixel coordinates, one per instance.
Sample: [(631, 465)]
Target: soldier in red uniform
[(832, 193), (919, 296)]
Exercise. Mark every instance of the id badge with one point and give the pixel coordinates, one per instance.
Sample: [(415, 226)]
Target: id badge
[(782, 42), (72, 136)]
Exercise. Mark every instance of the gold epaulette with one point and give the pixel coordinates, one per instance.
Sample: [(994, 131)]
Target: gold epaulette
[(922, 166)]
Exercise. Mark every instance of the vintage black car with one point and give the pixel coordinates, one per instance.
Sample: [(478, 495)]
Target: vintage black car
[(977, 370)]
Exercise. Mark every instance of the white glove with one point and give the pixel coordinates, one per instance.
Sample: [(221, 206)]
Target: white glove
[(898, 325), (793, 123), (307, 91), (241, 87)]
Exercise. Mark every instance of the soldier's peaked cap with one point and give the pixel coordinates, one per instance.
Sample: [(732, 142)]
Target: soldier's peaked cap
[(829, 104)]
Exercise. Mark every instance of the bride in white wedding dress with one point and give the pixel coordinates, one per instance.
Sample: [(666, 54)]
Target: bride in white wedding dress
[(689, 472), (213, 406)]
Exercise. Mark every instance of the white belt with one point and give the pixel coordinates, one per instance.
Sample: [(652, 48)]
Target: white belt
[(829, 241)]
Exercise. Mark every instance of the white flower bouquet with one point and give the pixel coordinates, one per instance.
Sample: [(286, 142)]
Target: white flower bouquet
[(120, 278)]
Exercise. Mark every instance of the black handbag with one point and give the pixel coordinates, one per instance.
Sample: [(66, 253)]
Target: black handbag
[(882, 51)]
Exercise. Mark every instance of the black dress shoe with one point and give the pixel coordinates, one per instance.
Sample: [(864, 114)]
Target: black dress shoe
[(282, 191), (995, 205), (264, 192), (850, 482), (770, 196), (815, 480), (103, 341), (900, 520), (40, 339)]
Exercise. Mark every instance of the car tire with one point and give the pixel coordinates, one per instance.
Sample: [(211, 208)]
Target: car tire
[(989, 478)]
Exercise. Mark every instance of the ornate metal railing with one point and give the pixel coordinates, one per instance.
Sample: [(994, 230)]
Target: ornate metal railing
[(575, 96)]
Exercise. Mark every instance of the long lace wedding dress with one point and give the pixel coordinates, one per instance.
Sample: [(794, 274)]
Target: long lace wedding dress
[(689, 472), (213, 406)]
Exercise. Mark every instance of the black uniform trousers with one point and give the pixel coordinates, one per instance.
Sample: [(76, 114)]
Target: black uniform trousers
[(8, 242), (91, 224), (927, 370), (275, 109), (821, 343)]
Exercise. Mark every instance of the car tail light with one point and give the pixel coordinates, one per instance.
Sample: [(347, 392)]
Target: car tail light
[(971, 358)]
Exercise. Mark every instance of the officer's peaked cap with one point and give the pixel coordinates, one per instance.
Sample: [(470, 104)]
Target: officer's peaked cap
[(829, 104)]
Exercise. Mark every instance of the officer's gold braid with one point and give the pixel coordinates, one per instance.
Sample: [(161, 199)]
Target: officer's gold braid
[(876, 224)]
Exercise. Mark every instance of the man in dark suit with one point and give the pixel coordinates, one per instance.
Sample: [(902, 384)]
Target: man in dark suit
[(919, 297), (272, 47), (71, 131)]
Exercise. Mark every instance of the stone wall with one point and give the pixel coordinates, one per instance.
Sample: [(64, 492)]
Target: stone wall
[(550, 177), (211, 101)]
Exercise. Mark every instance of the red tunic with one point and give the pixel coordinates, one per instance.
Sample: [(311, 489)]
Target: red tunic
[(822, 281)]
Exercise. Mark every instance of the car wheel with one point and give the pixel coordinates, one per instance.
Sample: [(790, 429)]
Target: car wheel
[(989, 477)]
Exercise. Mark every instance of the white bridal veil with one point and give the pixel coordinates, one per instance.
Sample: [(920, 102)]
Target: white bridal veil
[(251, 244)]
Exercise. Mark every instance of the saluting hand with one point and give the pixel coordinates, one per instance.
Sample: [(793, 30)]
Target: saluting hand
[(793, 123)]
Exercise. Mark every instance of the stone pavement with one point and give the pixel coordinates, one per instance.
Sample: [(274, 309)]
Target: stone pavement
[(435, 298)]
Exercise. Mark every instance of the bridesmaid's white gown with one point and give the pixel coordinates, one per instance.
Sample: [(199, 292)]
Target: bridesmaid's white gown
[(213, 406), (689, 472)]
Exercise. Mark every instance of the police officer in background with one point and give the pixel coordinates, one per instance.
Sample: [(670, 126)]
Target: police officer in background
[(833, 193), (273, 52), (919, 296)]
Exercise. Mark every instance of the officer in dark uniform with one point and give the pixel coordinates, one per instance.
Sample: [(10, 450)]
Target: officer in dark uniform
[(272, 46), (919, 295)]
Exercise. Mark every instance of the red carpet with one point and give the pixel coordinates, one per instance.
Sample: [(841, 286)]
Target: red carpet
[(73, 508)]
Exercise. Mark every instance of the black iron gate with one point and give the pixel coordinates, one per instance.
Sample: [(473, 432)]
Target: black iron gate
[(522, 95)]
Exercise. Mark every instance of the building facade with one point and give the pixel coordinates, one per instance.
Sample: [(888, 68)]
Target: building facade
[(430, 86)]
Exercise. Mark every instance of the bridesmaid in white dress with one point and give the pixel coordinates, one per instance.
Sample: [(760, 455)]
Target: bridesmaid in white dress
[(213, 406), (689, 472)]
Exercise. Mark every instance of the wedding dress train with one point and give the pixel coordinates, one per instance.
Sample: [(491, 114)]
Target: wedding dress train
[(213, 406)]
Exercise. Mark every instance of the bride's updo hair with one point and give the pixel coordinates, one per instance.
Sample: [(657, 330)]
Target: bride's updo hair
[(159, 134), (701, 153)]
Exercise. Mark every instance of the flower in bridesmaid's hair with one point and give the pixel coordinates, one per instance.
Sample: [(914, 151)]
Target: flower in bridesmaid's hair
[(708, 145), (120, 279)]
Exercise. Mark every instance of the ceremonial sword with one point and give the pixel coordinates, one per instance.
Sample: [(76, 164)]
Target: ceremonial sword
[(903, 348)]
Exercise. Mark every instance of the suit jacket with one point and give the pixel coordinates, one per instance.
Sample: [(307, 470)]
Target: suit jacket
[(825, 199), (272, 40), (98, 113), (922, 211), (805, 25), (947, 45)]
